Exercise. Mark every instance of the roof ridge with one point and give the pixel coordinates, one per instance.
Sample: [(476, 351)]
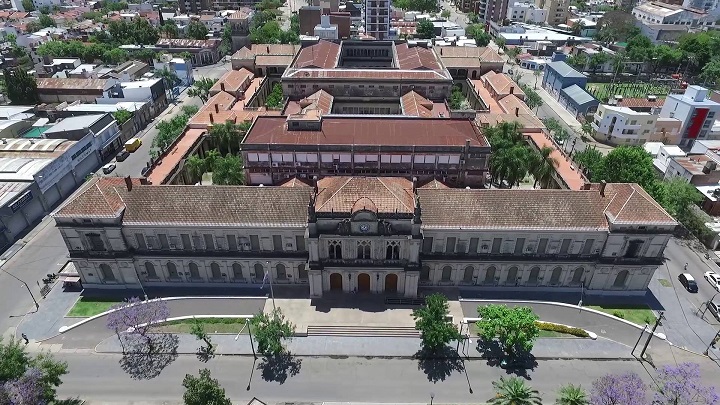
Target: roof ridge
[(626, 202), (336, 192), (393, 193)]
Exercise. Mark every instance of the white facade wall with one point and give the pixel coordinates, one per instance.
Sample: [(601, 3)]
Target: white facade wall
[(623, 126)]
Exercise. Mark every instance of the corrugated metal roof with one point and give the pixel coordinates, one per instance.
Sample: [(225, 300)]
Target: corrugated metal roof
[(564, 70), (578, 94)]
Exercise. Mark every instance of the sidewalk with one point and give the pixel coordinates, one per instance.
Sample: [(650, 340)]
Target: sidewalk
[(395, 347)]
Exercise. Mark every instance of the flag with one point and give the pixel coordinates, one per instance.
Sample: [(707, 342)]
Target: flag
[(265, 279)]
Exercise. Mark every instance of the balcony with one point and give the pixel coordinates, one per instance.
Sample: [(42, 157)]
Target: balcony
[(510, 257), (365, 262)]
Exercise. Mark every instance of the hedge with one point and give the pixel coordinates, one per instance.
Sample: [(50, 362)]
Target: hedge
[(562, 329)]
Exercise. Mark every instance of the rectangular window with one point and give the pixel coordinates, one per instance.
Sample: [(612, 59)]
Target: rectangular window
[(140, 239), (473, 246), (186, 241), (519, 245), (542, 246), (96, 242), (450, 245), (300, 243), (197, 242), (277, 243), (232, 243), (427, 245), (209, 241), (587, 247), (565, 246), (497, 242), (254, 243), (164, 241)]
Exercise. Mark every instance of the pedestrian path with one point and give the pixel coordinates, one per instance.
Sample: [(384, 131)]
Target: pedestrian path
[(395, 347)]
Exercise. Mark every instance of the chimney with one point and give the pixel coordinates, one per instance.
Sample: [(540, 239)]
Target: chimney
[(517, 111), (441, 51), (128, 183), (222, 86), (512, 89), (268, 49), (217, 109), (212, 120), (603, 183)]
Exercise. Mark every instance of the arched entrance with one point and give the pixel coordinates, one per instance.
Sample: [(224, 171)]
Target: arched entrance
[(336, 282), (391, 282), (363, 282)]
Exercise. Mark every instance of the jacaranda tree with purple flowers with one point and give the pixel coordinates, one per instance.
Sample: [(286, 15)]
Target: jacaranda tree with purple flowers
[(133, 319), (27, 389), (618, 389), (680, 385), (27, 379)]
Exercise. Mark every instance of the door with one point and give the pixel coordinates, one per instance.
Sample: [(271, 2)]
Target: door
[(363, 282), (391, 281), (336, 282)]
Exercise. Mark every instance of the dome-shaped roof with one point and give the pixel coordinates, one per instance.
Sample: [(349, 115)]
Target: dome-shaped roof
[(364, 203)]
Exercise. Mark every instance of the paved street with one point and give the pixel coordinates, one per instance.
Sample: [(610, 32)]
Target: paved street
[(100, 377)]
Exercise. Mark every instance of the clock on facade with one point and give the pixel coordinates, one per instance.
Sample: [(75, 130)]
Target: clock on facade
[(364, 228)]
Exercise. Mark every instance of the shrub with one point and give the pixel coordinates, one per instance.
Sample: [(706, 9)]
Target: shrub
[(650, 319), (553, 327), (618, 313)]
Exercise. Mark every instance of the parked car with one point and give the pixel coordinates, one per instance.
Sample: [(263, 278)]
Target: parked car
[(108, 168), (714, 307), (688, 282), (713, 278), (122, 155)]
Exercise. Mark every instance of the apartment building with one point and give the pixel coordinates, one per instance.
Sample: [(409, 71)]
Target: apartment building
[(526, 12), (556, 11), (365, 235), (623, 126), (696, 112), (377, 18)]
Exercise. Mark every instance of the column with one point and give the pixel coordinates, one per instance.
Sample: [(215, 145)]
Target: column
[(315, 281), (411, 284)]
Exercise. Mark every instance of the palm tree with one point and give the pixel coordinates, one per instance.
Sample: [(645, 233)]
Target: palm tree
[(201, 88), (229, 134), (543, 166), (196, 167), (513, 391), (169, 78), (572, 395), (537, 74), (210, 158)]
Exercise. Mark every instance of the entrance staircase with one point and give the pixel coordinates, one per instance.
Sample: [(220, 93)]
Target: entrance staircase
[(363, 331)]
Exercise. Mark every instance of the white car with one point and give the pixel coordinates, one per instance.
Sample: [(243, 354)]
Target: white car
[(713, 278)]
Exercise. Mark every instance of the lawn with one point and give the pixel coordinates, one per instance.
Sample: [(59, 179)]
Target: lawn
[(210, 325), (86, 307), (636, 314), (604, 91)]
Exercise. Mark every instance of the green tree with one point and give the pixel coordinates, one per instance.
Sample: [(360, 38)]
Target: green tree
[(228, 171), (445, 14), (204, 390), (269, 5), (270, 331), (510, 153), (436, 330), (514, 391), (170, 79), (543, 166), (667, 56), (226, 44), (201, 88), (639, 49), (143, 32), (514, 328), (275, 98), (572, 395), (425, 29), (21, 87), (169, 29), (597, 60), (115, 56), (197, 329), (196, 167), (268, 33), (28, 5), (190, 110), (678, 196), (587, 128), (228, 135), (478, 33), (15, 363), (532, 98), (592, 161), (197, 30), (710, 73), (630, 164), (702, 45), (578, 61), (122, 115), (46, 21), (474, 19), (616, 26)]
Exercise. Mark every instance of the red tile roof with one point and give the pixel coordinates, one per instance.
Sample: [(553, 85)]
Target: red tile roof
[(323, 55), (102, 198), (170, 160), (641, 102), (415, 105), (416, 57), (354, 74), (629, 204), (232, 81), (369, 131), (378, 194)]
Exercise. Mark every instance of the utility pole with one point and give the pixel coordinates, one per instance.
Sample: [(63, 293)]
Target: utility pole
[(37, 306), (652, 333), (712, 343), (639, 337)]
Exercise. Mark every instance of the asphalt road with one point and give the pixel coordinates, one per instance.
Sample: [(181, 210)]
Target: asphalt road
[(100, 378)]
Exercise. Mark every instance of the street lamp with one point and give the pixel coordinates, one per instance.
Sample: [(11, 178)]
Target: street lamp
[(37, 306)]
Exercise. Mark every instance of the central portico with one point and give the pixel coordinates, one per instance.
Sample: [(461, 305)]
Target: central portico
[(364, 236)]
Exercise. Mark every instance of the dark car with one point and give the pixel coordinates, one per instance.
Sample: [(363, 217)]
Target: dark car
[(122, 155), (688, 282)]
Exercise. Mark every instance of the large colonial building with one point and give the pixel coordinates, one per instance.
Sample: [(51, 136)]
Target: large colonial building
[(365, 234)]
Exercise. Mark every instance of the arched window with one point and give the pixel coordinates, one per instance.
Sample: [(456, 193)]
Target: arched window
[(150, 270), (302, 271), (468, 275), (335, 249), (172, 270), (490, 275), (577, 275), (106, 273), (281, 273), (621, 279), (259, 272), (555, 277), (237, 271), (446, 273), (194, 272), (363, 249), (215, 271), (534, 274), (512, 275), (392, 251), (425, 273)]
